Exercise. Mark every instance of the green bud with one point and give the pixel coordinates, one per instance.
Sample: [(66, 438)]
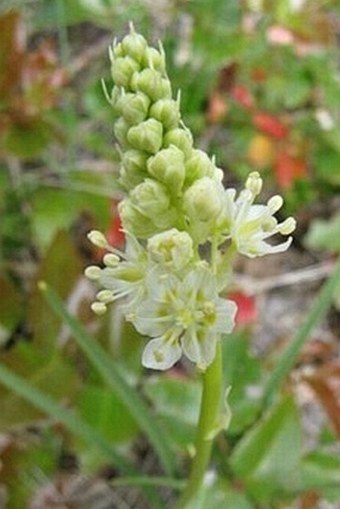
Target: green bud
[(197, 166), (203, 200), (134, 107), (168, 167), (120, 130), (154, 59), (129, 180), (181, 138), (151, 198), (172, 248), (151, 83), (134, 45), (134, 221), (122, 70), (146, 136), (135, 160), (167, 112)]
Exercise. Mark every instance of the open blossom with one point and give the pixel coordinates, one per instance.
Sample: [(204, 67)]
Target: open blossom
[(183, 316), (123, 275), (249, 225)]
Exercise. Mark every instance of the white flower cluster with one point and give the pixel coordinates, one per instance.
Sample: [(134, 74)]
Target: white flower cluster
[(175, 202)]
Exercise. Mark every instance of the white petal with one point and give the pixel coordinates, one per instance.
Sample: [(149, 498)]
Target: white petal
[(161, 354), (199, 348), (148, 320), (226, 313)]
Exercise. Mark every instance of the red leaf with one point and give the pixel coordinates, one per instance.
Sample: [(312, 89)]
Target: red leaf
[(271, 125), (242, 95), (246, 308), (288, 168), (325, 382)]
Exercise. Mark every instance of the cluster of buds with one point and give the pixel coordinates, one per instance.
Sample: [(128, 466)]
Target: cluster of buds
[(174, 203)]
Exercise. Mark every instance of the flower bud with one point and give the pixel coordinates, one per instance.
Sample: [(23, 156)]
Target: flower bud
[(133, 169), (154, 59), (146, 136), (172, 248), (134, 45), (167, 112), (203, 200), (120, 130), (151, 198), (134, 107), (181, 138), (151, 83), (134, 221), (122, 70), (168, 167), (198, 165)]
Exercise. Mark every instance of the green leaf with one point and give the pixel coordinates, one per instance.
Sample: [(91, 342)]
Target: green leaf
[(267, 458), (105, 413), (112, 375), (243, 374), (324, 234), (321, 473), (218, 495), (10, 309), (177, 401), (28, 141)]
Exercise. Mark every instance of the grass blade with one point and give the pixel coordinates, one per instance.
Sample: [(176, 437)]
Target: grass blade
[(71, 420), (112, 376), (321, 305)]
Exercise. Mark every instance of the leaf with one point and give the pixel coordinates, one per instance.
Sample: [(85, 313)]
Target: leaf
[(218, 495), (106, 414), (10, 309), (321, 473), (177, 401), (325, 382), (243, 375), (267, 458), (61, 268), (324, 234)]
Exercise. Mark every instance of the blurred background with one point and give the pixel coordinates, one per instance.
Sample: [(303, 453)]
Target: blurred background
[(260, 90)]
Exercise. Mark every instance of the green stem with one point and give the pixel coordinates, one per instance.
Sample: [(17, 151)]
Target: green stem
[(210, 407)]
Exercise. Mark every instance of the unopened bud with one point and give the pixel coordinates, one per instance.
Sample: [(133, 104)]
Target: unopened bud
[(122, 70), (202, 200), (181, 138), (134, 107), (154, 59), (146, 136), (168, 167), (197, 166), (134, 221), (92, 272), (151, 83), (151, 198), (172, 247), (167, 112), (120, 130), (97, 238), (134, 45)]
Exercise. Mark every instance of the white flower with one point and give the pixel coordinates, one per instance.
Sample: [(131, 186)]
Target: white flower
[(183, 316), (123, 276), (249, 225), (172, 249)]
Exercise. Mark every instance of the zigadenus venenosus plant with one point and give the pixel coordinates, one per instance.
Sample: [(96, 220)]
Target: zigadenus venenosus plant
[(175, 203)]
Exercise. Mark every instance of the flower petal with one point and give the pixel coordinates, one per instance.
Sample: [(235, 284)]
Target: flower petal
[(161, 354), (199, 346)]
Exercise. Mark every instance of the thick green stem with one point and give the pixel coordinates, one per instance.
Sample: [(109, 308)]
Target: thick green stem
[(210, 408)]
